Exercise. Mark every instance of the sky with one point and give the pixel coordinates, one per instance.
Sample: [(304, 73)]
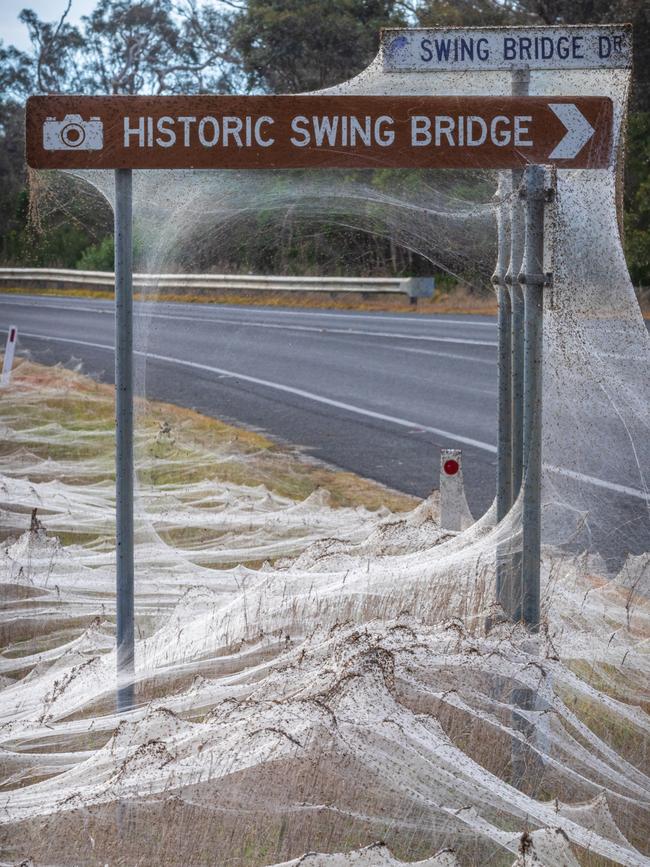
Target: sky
[(12, 32)]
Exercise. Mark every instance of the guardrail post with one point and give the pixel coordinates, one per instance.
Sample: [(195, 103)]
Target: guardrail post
[(537, 190), (124, 437)]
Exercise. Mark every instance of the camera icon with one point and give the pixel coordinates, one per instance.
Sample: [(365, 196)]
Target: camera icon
[(73, 133)]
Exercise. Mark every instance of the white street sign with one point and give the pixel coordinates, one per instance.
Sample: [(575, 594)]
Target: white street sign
[(494, 48)]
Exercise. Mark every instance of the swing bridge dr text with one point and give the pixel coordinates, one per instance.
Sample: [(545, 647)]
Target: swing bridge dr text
[(317, 131), (498, 48)]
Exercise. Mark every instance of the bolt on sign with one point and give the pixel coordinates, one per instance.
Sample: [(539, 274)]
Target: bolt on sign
[(284, 132), (503, 48)]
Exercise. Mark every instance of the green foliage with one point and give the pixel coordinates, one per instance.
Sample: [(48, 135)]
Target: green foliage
[(98, 257), (60, 246), (466, 13), (637, 199), (12, 172), (70, 217), (294, 45), (152, 46)]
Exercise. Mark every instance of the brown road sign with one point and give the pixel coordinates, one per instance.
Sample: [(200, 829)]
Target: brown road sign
[(285, 132)]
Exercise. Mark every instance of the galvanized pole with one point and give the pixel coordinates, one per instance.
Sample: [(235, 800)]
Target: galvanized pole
[(504, 499), (520, 86), (124, 437), (532, 279), (504, 404), (510, 377)]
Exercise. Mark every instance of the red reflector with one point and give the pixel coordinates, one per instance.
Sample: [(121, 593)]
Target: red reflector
[(451, 467), (12, 335)]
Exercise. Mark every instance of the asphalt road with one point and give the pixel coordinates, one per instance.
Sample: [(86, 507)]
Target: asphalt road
[(375, 393)]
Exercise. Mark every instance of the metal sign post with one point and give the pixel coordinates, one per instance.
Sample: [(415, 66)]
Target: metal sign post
[(520, 87), (504, 391), (511, 343), (504, 407), (124, 437), (536, 191)]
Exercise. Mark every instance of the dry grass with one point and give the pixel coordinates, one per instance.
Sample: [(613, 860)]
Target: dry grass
[(457, 301), (88, 406)]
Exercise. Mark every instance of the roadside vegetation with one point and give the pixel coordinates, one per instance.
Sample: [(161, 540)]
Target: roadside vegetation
[(155, 46), (174, 445)]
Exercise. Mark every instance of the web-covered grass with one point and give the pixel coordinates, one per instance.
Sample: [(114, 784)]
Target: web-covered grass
[(312, 673)]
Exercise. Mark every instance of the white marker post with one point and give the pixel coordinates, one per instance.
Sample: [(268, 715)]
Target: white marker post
[(454, 511), (10, 350)]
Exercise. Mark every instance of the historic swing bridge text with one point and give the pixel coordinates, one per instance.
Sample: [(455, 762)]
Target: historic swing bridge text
[(330, 130)]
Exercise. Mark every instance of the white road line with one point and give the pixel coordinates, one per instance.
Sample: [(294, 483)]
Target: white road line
[(317, 398), (452, 355), (175, 317), (406, 318), (318, 330), (599, 483), (109, 311)]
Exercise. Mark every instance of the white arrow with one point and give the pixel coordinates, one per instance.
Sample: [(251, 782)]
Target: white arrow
[(578, 133)]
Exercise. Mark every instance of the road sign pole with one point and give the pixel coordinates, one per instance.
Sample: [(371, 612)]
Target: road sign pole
[(520, 87), (512, 418), (532, 279), (511, 352), (504, 474), (124, 436), (504, 400)]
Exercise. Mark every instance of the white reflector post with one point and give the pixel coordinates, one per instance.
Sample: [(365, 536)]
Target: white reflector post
[(10, 349), (454, 511)]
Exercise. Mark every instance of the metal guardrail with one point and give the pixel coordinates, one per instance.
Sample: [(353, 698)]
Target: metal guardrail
[(59, 278)]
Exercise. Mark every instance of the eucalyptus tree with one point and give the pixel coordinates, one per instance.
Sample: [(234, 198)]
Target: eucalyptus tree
[(296, 45)]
